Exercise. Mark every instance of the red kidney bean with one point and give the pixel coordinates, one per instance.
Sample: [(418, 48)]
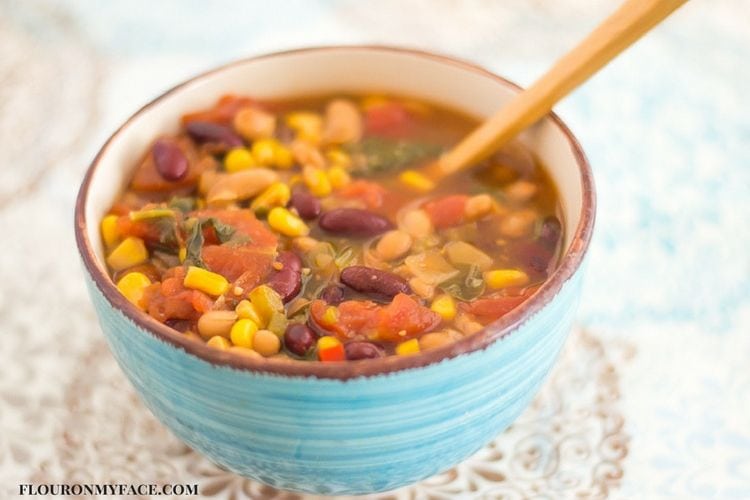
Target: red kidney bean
[(363, 350), (288, 280), (307, 205), (299, 338), (170, 161), (213, 132), (374, 281), (551, 232), (354, 222), (332, 294), (532, 255)]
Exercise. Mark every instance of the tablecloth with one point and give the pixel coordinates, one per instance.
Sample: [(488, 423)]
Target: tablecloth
[(651, 398)]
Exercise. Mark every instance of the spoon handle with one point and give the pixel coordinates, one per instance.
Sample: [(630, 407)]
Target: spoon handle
[(626, 25)]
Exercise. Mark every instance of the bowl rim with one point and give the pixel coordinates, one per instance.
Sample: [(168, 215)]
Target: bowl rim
[(345, 370)]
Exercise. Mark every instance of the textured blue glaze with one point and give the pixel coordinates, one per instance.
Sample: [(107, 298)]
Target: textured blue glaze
[(341, 437)]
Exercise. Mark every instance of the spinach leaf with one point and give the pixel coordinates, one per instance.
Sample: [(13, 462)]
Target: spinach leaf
[(467, 285), (194, 244), (379, 154), (195, 240), (182, 203), (223, 231), (167, 234)]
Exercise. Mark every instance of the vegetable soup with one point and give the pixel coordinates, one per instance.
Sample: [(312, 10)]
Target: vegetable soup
[(311, 229)]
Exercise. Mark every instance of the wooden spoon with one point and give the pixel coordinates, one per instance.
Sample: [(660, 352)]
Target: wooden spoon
[(632, 20)]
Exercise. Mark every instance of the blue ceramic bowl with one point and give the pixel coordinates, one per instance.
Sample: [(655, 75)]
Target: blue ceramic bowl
[(355, 427)]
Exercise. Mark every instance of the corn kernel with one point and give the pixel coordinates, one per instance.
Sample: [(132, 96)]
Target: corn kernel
[(330, 316), (445, 306), (246, 310), (308, 126), (286, 223), (150, 213), (338, 158), (502, 278), (130, 252), (316, 181), (326, 342), (110, 235), (263, 152), (218, 342), (282, 156), (338, 177), (295, 179), (272, 153), (416, 180), (238, 159), (242, 333), (182, 254), (330, 349), (132, 286), (408, 348), (275, 195), (266, 302), (200, 279)]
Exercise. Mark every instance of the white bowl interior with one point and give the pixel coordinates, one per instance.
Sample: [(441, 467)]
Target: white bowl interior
[(329, 70)]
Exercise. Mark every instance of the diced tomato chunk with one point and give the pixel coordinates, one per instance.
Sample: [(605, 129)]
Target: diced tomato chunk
[(143, 229), (171, 300), (333, 353), (402, 319), (222, 112), (390, 119), (487, 310), (447, 211), (370, 192), (244, 263), (405, 318), (355, 318), (245, 223), (235, 262)]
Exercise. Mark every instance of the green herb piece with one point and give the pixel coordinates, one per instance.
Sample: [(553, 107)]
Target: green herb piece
[(467, 285), (195, 241), (378, 154), (182, 203), (194, 244), (168, 240), (164, 260), (223, 231)]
